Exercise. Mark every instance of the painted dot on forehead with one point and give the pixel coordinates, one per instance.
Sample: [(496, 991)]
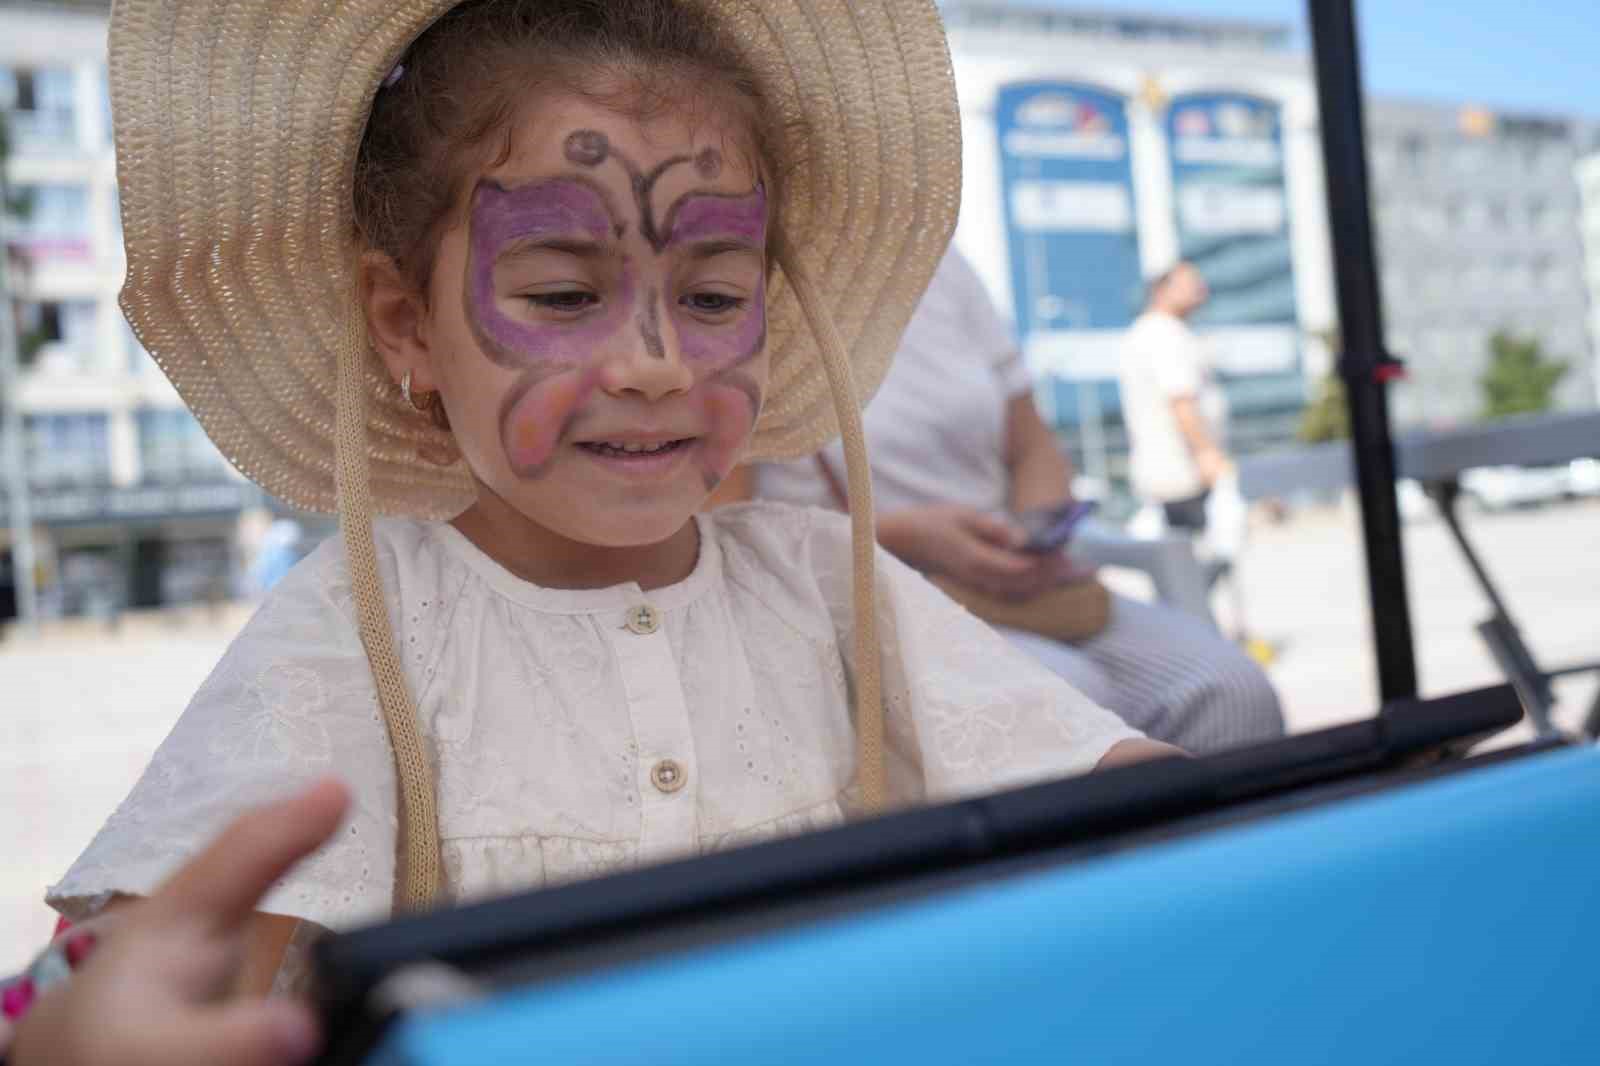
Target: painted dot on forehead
[(587, 148), (708, 163)]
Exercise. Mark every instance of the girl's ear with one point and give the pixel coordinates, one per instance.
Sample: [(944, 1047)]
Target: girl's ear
[(396, 313)]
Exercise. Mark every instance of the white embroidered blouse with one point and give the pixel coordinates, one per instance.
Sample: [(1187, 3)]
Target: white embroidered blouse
[(579, 732)]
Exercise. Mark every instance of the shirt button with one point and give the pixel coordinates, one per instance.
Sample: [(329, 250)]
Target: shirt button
[(643, 619), (668, 775)]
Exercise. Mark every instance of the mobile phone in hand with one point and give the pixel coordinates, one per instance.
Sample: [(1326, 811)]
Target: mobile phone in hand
[(1050, 528)]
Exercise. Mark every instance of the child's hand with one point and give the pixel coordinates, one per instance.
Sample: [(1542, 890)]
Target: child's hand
[(155, 991)]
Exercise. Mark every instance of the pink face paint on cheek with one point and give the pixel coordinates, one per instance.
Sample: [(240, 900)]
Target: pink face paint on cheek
[(732, 401), (535, 416), (546, 210)]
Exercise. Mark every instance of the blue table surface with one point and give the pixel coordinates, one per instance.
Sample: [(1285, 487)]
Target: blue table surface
[(1455, 921)]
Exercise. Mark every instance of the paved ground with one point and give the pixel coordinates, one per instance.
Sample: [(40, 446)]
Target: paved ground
[(84, 708)]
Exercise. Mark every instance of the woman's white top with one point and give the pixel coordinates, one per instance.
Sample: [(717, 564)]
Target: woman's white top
[(578, 732), (936, 427)]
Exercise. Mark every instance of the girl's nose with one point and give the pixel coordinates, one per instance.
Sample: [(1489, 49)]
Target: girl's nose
[(647, 361)]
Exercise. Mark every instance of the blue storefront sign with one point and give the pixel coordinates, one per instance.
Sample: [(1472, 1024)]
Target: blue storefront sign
[(1232, 208), (1067, 186)]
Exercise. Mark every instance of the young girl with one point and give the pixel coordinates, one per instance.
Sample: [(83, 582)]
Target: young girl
[(532, 276)]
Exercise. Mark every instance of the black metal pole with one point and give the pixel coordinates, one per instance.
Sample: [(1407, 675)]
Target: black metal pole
[(1363, 364)]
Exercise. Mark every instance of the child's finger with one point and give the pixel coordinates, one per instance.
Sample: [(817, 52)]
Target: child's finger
[(224, 883), (260, 1032)]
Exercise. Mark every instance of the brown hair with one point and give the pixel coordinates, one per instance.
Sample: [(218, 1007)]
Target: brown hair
[(460, 85)]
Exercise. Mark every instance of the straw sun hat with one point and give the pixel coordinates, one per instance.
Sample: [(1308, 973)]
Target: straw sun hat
[(237, 124)]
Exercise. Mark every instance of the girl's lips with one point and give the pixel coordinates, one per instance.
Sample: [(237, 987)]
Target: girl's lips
[(655, 465)]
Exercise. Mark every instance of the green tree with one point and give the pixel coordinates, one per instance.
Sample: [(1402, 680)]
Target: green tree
[(1327, 416), (1519, 379)]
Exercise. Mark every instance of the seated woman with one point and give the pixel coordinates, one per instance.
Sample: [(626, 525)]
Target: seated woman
[(956, 444)]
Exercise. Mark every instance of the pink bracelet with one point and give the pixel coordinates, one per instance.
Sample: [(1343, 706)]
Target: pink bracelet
[(53, 966)]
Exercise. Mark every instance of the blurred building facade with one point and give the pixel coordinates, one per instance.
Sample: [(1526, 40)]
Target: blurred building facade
[(1102, 146), (1479, 227), (1587, 172), (1099, 149), (131, 505)]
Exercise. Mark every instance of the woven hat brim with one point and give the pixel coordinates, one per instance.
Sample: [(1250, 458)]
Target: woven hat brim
[(237, 124)]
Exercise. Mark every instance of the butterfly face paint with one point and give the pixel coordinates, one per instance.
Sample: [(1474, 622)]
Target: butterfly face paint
[(733, 397), (559, 356), (558, 214)]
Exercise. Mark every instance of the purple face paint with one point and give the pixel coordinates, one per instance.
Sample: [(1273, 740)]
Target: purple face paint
[(505, 219), (535, 413), (708, 218), (559, 359)]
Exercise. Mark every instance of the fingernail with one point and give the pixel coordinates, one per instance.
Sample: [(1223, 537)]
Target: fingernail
[(295, 1033), (17, 998), (78, 948)]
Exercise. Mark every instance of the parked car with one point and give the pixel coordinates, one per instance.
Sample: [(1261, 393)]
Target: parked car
[(1584, 477), (1501, 488)]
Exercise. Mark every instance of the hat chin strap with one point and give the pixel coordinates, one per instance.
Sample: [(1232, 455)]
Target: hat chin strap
[(417, 883), (871, 764)]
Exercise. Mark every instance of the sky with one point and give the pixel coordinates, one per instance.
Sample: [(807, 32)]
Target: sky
[(1526, 55)]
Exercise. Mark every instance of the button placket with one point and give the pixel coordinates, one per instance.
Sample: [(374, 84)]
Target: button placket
[(665, 772)]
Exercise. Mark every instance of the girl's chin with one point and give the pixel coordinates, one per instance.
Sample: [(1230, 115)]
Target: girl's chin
[(613, 523)]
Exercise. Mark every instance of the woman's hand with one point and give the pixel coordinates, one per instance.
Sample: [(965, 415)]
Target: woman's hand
[(980, 550), (154, 992)]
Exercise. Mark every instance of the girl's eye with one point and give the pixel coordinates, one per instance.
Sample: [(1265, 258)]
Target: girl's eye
[(569, 300), (712, 303)]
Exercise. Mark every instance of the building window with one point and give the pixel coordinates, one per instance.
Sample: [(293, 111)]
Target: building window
[(173, 447), (40, 101), (57, 335), (53, 222), (66, 449)]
